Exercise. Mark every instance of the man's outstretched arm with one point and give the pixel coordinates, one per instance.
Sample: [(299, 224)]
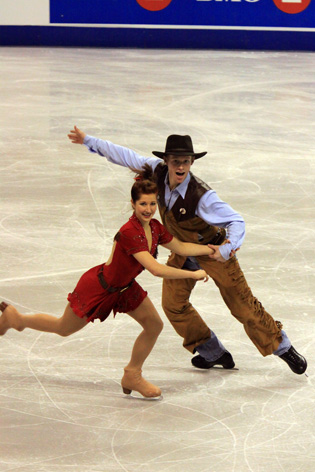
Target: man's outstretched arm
[(114, 153)]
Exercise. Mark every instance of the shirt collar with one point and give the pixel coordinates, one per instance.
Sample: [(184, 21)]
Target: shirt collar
[(181, 188)]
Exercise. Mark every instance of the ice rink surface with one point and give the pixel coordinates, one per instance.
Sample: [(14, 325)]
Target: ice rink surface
[(61, 405)]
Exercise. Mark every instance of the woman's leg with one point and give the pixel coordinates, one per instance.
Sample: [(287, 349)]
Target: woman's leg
[(67, 324), (147, 316)]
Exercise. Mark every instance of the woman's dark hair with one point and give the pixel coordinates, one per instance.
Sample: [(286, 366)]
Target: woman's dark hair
[(144, 183)]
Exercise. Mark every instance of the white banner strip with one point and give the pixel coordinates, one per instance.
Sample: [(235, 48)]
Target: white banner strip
[(185, 27)]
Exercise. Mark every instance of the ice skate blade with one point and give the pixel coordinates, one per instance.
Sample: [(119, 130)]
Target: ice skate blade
[(140, 397), (218, 367), (222, 368)]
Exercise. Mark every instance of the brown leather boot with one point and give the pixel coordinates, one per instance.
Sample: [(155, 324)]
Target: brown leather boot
[(133, 380)]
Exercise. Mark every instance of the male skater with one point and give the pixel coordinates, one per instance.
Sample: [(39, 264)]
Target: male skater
[(193, 212)]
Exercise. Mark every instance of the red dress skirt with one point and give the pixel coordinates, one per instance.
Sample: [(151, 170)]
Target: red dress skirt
[(91, 299)]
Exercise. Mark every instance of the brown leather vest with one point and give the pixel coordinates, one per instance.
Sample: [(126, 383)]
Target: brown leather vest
[(181, 220)]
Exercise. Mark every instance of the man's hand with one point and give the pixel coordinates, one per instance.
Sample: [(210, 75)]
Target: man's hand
[(217, 254), (232, 253), (76, 136)]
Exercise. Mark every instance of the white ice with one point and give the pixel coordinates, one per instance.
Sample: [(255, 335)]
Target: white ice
[(62, 408)]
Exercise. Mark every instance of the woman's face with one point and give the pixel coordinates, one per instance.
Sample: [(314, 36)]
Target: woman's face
[(145, 207)]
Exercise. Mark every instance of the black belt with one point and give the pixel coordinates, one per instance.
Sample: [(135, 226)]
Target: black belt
[(105, 285), (218, 238)]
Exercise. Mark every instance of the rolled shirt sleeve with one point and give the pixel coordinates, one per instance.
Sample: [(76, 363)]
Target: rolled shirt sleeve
[(216, 212)]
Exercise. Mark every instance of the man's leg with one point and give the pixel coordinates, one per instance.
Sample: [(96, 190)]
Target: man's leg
[(212, 353), (189, 325), (262, 329), (185, 319)]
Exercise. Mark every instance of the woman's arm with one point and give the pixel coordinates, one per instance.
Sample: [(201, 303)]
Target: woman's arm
[(188, 249), (166, 272)]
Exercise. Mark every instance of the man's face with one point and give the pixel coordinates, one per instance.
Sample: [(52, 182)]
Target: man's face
[(178, 168)]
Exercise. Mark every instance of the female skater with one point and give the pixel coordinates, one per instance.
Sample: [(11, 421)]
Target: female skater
[(112, 286)]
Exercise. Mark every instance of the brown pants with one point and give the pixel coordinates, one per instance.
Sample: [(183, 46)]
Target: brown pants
[(261, 328)]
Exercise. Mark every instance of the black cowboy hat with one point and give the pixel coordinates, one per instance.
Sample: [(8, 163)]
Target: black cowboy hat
[(177, 145)]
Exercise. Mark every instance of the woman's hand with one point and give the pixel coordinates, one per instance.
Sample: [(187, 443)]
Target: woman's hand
[(76, 136), (217, 254), (200, 275)]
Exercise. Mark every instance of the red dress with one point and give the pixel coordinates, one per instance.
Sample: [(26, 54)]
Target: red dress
[(90, 299)]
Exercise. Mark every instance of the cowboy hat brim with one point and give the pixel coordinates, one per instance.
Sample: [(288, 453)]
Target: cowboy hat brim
[(196, 155)]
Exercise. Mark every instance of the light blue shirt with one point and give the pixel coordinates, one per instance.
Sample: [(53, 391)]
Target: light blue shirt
[(210, 208)]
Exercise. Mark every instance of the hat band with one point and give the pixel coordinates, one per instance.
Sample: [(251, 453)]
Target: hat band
[(169, 151)]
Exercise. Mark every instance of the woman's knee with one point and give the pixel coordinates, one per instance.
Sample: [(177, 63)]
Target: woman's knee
[(153, 325), (64, 330), (69, 324), (159, 325)]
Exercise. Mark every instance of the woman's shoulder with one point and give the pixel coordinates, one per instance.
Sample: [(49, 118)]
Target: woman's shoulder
[(131, 227), (131, 233), (125, 227), (131, 238)]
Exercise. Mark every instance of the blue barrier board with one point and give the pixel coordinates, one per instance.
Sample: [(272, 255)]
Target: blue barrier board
[(194, 13)]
